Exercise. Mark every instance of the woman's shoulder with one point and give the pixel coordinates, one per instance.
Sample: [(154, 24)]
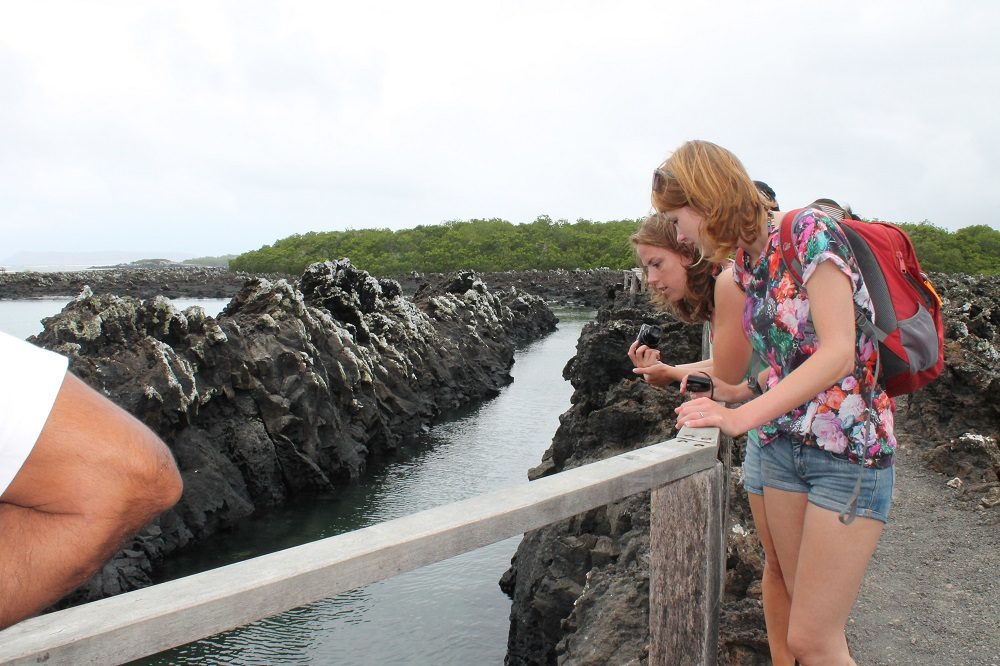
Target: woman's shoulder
[(808, 226), (723, 273), (728, 284), (800, 218)]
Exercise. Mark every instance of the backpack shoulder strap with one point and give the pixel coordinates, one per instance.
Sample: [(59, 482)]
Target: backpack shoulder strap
[(786, 245), (791, 260), (738, 263)]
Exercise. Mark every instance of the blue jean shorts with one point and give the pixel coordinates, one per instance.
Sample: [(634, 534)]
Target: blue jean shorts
[(829, 481), (753, 475)]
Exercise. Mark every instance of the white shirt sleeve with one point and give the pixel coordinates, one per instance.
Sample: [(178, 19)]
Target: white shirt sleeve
[(30, 379)]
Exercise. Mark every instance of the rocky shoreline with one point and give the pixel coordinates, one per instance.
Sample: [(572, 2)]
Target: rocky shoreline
[(174, 282), (585, 288), (580, 588), (295, 388), (590, 288)]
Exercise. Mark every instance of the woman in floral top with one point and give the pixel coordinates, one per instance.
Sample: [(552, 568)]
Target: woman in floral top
[(812, 417), (780, 330)]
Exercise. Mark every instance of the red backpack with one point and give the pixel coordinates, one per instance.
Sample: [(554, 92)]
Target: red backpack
[(908, 323)]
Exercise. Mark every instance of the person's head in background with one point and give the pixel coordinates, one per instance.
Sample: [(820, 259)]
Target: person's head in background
[(674, 276), (770, 198), (834, 209), (706, 189)]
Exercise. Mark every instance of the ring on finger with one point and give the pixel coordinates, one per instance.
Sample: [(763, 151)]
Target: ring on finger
[(701, 414)]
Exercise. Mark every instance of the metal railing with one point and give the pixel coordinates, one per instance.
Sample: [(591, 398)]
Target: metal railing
[(686, 554)]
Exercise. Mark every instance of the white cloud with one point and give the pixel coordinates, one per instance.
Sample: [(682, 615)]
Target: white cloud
[(218, 127)]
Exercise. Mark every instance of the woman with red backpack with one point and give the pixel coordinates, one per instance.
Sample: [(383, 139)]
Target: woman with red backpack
[(822, 419)]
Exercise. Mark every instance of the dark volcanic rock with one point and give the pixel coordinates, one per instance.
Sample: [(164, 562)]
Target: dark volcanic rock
[(290, 390), (591, 288), (585, 288), (532, 318), (973, 458), (179, 280), (955, 420), (963, 398)]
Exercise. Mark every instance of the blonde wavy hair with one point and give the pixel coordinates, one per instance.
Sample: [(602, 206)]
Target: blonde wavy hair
[(713, 182), (698, 301)]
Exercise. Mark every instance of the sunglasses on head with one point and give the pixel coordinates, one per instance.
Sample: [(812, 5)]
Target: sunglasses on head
[(660, 177)]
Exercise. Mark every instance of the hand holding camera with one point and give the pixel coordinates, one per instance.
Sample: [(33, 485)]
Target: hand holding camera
[(649, 335), (701, 383)]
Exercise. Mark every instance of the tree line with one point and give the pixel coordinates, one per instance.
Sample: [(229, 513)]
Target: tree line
[(971, 250), (546, 244), (482, 245)]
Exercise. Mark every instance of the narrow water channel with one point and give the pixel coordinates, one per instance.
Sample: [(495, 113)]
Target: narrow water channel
[(452, 612)]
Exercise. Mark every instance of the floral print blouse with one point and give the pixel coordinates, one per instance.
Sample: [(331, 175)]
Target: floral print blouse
[(777, 322)]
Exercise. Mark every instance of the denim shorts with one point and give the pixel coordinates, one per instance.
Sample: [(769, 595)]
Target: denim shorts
[(829, 481), (753, 477)]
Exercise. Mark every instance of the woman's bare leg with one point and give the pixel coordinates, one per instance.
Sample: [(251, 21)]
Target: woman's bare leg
[(785, 517), (777, 603), (832, 561)]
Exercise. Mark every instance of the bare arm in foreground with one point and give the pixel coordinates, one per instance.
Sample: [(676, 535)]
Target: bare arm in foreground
[(95, 476)]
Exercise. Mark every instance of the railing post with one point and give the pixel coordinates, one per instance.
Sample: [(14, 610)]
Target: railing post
[(687, 568), (633, 284)]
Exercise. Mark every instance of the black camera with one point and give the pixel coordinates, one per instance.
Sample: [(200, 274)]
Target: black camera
[(699, 384), (649, 335)]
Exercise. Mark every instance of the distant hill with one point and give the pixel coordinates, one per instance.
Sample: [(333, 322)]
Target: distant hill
[(84, 259), (222, 262)]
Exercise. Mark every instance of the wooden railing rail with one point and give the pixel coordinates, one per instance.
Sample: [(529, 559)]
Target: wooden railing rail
[(684, 474)]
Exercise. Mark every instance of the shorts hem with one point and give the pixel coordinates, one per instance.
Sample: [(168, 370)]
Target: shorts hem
[(787, 487), (832, 505)]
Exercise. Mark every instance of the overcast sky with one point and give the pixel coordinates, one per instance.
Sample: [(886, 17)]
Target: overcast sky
[(204, 128)]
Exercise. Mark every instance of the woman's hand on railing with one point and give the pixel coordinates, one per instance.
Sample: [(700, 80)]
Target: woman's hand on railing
[(706, 409), (706, 413)]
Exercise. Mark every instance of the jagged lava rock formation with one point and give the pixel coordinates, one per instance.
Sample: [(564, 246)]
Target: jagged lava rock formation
[(581, 287), (294, 388), (955, 421)]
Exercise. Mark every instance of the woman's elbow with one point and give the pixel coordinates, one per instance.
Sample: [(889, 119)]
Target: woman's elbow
[(846, 361)]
